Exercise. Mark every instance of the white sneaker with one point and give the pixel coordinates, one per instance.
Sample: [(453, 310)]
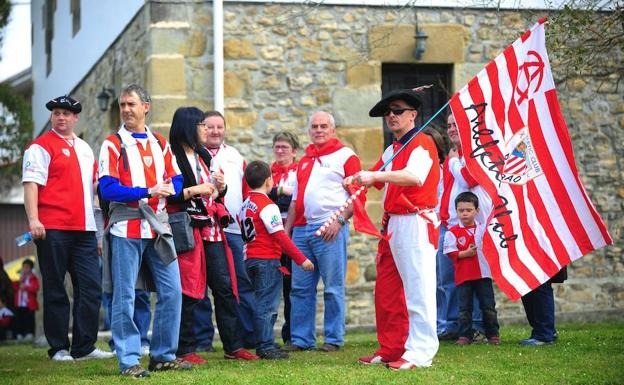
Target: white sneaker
[(96, 354), (28, 337), (145, 350), (62, 355)]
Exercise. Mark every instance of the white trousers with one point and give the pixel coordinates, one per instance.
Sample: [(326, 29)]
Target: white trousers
[(415, 259)]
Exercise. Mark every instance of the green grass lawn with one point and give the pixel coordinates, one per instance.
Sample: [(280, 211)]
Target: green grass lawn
[(584, 354)]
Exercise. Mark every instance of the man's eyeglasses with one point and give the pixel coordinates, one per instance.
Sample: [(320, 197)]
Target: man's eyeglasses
[(397, 111)]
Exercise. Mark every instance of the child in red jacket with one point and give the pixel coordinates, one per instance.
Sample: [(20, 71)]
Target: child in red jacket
[(263, 232), (472, 273), (26, 302)]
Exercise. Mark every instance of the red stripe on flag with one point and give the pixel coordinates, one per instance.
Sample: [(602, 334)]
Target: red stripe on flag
[(491, 254), (530, 240), (513, 115), (498, 103), (562, 132), (514, 260), (560, 193), (561, 253)]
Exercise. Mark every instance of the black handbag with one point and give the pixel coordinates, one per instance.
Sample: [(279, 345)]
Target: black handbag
[(183, 236)]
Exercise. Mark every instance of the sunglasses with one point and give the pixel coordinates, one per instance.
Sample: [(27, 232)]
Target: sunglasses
[(397, 111)]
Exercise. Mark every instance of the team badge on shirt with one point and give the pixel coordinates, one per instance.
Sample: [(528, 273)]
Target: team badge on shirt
[(276, 221), (148, 160), (65, 152), (461, 240)]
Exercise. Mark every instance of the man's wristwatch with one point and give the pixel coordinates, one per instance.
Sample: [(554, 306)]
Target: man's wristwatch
[(149, 194), (341, 219)]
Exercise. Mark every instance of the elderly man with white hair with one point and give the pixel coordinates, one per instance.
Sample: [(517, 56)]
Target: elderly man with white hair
[(318, 192)]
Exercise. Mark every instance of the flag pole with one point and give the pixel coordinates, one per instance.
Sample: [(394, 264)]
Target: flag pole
[(353, 196)]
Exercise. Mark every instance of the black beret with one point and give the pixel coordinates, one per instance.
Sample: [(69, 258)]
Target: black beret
[(65, 102), (408, 96)]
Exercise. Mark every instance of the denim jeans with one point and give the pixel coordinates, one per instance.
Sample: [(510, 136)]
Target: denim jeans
[(64, 251), (203, 327), (484, 292), (142, 314), (127, 255), (245, 307), (446, 294), (330, 262), (539, 306), (266, 279)]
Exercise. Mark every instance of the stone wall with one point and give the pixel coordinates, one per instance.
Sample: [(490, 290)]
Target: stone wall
[(282, 62)]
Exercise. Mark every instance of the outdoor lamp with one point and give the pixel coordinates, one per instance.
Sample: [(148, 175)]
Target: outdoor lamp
[(104, 97)]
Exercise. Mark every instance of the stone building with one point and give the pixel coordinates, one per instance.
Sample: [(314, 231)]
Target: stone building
[(284, 60)]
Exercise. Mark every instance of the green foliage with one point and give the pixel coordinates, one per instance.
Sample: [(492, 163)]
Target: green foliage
[(586, 39), (584, 354), (5, 11), (16, 127)]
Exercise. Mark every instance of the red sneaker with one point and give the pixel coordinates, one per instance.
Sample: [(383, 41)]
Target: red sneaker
[(193, 358), (241, 354), (401, 364), (494, 340), (371, 360), (463, 341)]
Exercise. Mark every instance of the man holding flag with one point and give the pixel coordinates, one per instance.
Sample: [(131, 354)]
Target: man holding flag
[(405, 289), (518, 149)]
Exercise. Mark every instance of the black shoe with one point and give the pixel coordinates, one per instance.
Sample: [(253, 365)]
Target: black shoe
[(448, 336), (327, 348), (273, 354), (207, 349), (294, 348)]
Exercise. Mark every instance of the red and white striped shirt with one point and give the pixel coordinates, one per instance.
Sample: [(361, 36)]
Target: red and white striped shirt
[(65, 172), (210, 234), (149, 163), (455, 180)]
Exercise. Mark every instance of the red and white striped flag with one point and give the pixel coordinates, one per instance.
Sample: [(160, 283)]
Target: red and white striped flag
[(517, 146)]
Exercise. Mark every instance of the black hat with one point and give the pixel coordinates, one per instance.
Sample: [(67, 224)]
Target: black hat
[(408, 96), (65, 102)]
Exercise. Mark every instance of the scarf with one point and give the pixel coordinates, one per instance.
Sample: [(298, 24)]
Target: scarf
[(280, 173)]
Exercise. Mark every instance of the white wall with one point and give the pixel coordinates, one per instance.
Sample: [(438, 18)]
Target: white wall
[(73, 56)]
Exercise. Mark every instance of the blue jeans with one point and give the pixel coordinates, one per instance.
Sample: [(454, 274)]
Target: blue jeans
[(330, 264), (539, 306), (127, 255), (267, 283), (482, 288), (142, 314), (245, 307), (446, 294), (203, 327)]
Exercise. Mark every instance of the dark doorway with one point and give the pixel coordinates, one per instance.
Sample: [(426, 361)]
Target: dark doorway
[(395, 76)]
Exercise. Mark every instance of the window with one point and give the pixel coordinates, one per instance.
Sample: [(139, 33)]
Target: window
[(397, 76)]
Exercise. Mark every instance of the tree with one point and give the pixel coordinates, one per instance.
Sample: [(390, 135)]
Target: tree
[(15, 121), (586, 39)]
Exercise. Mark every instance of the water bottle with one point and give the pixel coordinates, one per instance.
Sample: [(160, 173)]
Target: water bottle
[(23, 239)]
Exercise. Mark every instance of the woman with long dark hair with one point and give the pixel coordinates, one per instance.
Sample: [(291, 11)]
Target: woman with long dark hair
[(210, 261)]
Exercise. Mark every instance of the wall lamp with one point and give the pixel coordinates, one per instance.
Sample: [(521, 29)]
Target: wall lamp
[(104, 97), (421, 41)]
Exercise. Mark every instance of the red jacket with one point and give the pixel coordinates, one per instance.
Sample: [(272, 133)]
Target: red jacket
[(28, 294)]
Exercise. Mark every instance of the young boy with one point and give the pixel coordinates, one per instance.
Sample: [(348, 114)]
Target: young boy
[(26, 302), (263, 232), (472, 273)]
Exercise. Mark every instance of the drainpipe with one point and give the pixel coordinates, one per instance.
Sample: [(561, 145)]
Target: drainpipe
[(217, 35)]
